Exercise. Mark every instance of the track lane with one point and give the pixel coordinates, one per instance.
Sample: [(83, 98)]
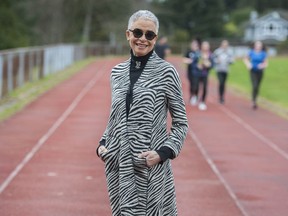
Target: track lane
[(65, 178), (49, 183), (241, 144)]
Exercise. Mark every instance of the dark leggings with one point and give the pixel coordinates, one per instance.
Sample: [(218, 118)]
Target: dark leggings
[(256, 78), (197, 80), (190, 78), (222, 76)]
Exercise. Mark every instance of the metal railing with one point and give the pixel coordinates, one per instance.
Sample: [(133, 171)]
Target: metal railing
[(19, 66)]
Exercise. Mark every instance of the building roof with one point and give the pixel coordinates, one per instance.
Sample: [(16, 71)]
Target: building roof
[(267, 27), (275, 15)]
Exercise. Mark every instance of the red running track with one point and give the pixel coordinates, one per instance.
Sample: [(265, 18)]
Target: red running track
[(234, 161)]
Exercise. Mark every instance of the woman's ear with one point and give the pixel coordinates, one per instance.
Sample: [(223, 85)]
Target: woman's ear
[(156, 38), (127, 35)]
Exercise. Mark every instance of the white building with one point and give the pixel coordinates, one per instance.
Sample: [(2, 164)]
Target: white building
[(272, 27)]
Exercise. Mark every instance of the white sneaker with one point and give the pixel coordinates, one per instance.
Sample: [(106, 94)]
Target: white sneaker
[(193, 100), (202, 106)]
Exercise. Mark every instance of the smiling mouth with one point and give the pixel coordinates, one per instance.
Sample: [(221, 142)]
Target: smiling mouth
[(141, 45)]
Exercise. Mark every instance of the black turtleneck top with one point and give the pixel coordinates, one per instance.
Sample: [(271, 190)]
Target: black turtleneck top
[(137, 65)]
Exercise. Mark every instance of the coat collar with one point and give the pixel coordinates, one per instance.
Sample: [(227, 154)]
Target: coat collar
[(151, 65)]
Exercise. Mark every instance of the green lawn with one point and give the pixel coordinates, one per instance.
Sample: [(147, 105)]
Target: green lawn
[(274, 86)]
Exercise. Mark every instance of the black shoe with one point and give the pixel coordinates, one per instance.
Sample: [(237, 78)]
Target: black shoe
[(221, 101), (254, 106)]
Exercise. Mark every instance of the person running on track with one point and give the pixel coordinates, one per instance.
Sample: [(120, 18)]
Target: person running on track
[(223, 57), (205, 63), (256, 62), (191, 59)]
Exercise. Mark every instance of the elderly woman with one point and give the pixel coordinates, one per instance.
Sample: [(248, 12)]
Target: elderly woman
[(136, 146)]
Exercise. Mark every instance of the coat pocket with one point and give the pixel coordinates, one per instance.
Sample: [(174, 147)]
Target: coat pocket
[(111, 157)]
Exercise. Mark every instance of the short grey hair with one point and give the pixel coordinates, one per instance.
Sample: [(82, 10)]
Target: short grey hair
[(144, 14)]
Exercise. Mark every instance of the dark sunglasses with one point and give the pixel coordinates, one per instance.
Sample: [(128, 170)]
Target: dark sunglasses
[(137, 33)]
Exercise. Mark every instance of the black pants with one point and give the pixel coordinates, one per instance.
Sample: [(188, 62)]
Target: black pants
[(191, 81), (256, 77), (200, 81), (222, 76)]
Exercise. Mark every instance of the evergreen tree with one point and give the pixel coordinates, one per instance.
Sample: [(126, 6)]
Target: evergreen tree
[(13, 32), (198, 17)]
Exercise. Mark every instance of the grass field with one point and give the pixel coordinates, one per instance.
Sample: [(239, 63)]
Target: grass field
[(274, 86)]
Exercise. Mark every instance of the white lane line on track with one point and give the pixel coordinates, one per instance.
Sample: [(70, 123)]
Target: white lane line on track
[(254, 132), (54, 127), (217, 172)]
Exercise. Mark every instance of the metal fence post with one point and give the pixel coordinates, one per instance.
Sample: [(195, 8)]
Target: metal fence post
[(10, 72), (31, 65), (1, 75), (46, 62), (21, 69)]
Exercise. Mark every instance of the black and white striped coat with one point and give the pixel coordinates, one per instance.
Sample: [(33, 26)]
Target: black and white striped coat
[(135, 189)]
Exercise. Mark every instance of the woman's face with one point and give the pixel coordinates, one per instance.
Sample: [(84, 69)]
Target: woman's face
[(205, 46), (194, 45), (224, 44), (141, 46), (258, 46)]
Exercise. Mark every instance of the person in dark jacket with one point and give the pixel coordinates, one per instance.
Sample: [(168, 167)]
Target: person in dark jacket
[(191, 59), (162, 48)]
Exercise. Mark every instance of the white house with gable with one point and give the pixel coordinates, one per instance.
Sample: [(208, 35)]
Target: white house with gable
[(272, 27)]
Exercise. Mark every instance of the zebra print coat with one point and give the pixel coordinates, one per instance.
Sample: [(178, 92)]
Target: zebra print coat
[(135, 189)]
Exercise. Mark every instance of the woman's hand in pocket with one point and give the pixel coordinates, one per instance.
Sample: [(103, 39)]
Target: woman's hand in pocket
[(152, 158), (101, 150)]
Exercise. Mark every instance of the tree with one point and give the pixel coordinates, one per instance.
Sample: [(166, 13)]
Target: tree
[(39, 22), (13, 32), (198, 17)]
